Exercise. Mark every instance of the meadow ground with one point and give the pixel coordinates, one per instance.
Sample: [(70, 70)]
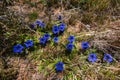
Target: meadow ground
[(95, 21)]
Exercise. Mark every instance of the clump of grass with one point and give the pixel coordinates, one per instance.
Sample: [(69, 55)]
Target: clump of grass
[(31, 3), (6, 72), (101, 18), (33, 15), (51, 3), (7, 3), (97, 5), (87, 18), (115, 3)]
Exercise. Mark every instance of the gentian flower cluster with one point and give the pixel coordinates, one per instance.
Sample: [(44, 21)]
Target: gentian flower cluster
[(84, 45), (61, 27), (70, 45), (55, 29), (59, 66), (92, 57), (28, 43), (44, 38), (39, 23), (17, 48), (107, 57)]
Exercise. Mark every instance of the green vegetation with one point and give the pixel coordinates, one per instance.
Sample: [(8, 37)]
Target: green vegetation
[(33, 15)]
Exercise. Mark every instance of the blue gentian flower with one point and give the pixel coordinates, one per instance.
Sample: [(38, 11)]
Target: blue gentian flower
[(92, 57), (46, 35), (32, 25), (42, 40), (59, 66), (69, 46), (84, 45), (40, 23), (55, 39), (55, 29), (17, 48), (71, 38), (107, 57), (62, 27), (28, 43), (59, 17)]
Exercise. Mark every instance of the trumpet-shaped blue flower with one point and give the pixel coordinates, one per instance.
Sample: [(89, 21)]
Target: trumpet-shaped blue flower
[(84, 45), (55, 39), (17, 48), (62, 27), (32, 25), (28, 43), (46, 35), (40, 23), (55, 29), (71, 38), (69, 46), (42, 40), (59, 66), (107, 57), (59, 17), (92, 57)]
